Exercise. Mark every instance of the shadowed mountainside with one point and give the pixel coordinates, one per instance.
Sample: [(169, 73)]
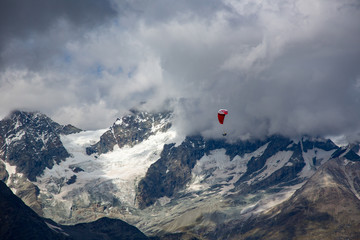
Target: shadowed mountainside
[(18, 221)]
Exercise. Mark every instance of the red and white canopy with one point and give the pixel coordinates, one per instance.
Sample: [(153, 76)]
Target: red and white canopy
[(221, 115)]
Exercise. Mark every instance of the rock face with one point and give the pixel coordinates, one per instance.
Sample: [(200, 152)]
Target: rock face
[(131, 130), (278, 165), (326, 207), (173, 170), (18, 221), (27, 191), (288, 173), (31, 142)]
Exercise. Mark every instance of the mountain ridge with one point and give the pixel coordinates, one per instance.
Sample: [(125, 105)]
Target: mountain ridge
[(145, 176)]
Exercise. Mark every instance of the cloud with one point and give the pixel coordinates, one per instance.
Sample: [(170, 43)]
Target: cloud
[(282, 67), (33, 31)]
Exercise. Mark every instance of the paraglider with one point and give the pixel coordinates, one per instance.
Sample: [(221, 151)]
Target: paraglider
[(221, 116)]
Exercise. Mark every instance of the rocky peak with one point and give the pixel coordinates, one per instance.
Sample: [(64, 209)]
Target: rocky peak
[(31, 141), (309, 143), (131, 129), (350, 152)]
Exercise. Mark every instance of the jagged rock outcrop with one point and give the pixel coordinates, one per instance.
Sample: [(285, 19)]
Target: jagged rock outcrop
[(31, 142), (131, 129)]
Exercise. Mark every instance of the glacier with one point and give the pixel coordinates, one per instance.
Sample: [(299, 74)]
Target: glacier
[(102, 178), (106, 184)]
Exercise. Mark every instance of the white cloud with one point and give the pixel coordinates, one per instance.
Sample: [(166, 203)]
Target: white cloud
[(99, 115), (287, 67)]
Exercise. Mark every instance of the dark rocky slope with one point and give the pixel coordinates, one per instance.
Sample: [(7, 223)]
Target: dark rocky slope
[(18, 221)]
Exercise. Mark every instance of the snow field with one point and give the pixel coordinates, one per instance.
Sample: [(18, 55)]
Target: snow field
[(218, 168), (115, 173), (320, 155)]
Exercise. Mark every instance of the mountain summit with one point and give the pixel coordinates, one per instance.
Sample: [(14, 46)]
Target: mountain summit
[(131, 130), (31, 142)]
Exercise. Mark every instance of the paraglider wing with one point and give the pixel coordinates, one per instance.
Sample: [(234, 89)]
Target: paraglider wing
[(221, 115)]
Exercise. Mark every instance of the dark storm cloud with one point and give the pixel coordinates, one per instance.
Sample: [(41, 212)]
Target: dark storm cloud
[(32, 31), (279, 67)]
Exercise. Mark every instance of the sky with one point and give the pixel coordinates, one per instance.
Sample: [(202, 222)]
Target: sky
[(288, 67)]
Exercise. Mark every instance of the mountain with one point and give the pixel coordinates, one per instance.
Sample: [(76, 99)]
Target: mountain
[(326, 207), (143, 171), (131, 130), (228, 182), (18, 221), (31, 142), (277, 164)]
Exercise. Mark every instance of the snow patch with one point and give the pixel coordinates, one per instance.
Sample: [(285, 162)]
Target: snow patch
[(15, 137), (10, 169), (17, 124), (118, 121), (164, 200), (313, 159), (217, 168), (273, 164)]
